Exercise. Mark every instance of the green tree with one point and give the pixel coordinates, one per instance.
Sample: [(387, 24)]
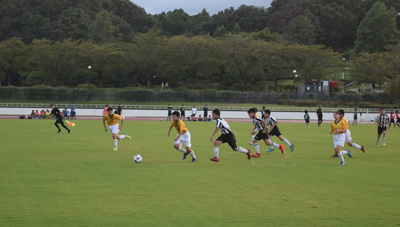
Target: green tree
[(266, 35), (370, 68), (300, 30), (100, 30), (220, 31), (13, 58), (377, 30), (236, 30)]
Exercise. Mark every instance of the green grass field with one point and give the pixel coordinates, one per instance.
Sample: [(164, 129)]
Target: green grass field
[(49, 179)]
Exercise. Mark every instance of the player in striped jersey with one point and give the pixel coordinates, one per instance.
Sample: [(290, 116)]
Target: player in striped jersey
[(348, 134), (253, 133), (261, 127), (226, 136), (274, 130), (382, 120)]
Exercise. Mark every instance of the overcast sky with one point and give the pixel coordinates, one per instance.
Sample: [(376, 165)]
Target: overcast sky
[(195, 6)]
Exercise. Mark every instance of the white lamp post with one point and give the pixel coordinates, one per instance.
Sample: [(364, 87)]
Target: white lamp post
[(89, 67)]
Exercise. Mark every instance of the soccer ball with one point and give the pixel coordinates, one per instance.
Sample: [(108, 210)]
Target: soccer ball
[(137, 158)]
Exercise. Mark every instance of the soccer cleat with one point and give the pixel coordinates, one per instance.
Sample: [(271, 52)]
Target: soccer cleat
[(282, 148), (384, 144), (115, 149), (248, 154), (291, 147), (377, 144), (184, 155), (69, 131), (256, 155), (194, 159), (127, 136), (215, 159), (362, 149), (59, 131), (335, 155), (251, 143), (349, 154), (342, 163), (270, 149)]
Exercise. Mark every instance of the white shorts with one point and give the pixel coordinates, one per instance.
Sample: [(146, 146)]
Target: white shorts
[(338, 140), (347, 134), (185, 138), (114, 129)]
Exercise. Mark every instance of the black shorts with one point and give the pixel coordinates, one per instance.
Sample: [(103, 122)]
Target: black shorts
[(169, 113), (392, 121), (319, 118), (182, 113), (307, 121), (381, 130), (228, 138), (59, 121), (275, 132), (355, 118), (261, 136), (398, 120)]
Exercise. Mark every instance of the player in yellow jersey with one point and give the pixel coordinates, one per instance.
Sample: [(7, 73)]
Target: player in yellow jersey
[(348, 135), (112, 121), (182, 137), (338, 128)]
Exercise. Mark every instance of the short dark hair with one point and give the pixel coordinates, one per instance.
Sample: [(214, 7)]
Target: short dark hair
[(382, 108), (51, 104), (109, 108), (106, 105), (267, 111), (251, 110), (65, 107), (176, 113), (216, 112), (263, 107), (305, 111), (397, 111), (355, 108), (341, 112)]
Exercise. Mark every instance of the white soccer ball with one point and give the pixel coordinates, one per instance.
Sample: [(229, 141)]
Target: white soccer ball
[(137, 158)]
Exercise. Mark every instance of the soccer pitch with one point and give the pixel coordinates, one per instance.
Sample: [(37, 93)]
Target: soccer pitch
[(49, 179)]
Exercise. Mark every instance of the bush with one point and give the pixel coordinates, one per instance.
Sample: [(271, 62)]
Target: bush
[(86, 86), (220, 87), (57, 83), (131, 88), (40, 86), (243, 87)]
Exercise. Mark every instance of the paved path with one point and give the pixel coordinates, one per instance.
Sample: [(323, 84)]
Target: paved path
[(163, 119)]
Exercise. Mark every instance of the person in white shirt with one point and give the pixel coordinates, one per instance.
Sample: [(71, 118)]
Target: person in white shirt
[(194, 111)]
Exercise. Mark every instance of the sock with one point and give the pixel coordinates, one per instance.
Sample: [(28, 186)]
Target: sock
[(384, 139), (182, 150), (257, 148), (287, 142), (307, 126), (275, 145), (252, 137), (241, 149), (271, 144), (377, 140), (345, 152), (341, 156), (356, 146), (115, 143), (57, 127), (193, 155), (216, 151), (356, 123), (122, 137)]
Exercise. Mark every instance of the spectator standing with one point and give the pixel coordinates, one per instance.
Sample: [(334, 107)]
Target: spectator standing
[(166, 85), (319, 114), (73, 114), (169, 112), (205, 110), (119, 109), (33, 115), (72, 106), (182, 109), (105, 110), (194, 111)]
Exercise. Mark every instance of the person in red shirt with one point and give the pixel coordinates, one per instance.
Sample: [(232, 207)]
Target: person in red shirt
[(392, 119), (398, 119)]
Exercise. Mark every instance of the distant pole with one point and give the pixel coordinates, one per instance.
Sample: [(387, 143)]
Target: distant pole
[(89, 67), (294, 78), (154, 81)]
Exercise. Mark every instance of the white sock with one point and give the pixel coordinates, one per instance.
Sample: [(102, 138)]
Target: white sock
[(287, 142), (252, 137), (241, 149), (275, 145), (193, 155), (122, 137), (377, 140), (345, 152), (356, 146), (182, 150), (257, 147), (216, 151), (115, 143), (271, 144), (384, 139), (341, 156)]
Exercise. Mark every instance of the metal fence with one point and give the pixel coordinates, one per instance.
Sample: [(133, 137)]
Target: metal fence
[(144, 95)]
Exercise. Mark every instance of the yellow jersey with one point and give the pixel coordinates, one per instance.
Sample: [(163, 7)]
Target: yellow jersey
[(339, 125), (180, 126), (345, 122), (112, 120)]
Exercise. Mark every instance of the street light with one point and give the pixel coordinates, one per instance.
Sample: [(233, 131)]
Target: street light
[(154, 80), (89, 67), (344, 75), (294, 79)]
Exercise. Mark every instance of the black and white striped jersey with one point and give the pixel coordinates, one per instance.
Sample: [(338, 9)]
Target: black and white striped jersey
[(258, 123), (223, 126), (384, 119), (270, 121)]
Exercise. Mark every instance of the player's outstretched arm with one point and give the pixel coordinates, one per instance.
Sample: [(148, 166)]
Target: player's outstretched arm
[(104, 123), (265, 126), (122, 124), (179, 136), (252, 131), (169, 132), (215, 132)]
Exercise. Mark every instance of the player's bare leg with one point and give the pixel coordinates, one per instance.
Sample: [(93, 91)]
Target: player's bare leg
[(253, 135)]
